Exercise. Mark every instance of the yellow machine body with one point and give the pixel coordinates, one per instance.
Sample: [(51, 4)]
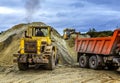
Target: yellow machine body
[(36, 49)]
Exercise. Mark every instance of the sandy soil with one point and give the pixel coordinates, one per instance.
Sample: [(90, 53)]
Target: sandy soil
[(62, 74)]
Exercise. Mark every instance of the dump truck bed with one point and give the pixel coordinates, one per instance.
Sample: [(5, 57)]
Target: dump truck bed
[(101, 45)]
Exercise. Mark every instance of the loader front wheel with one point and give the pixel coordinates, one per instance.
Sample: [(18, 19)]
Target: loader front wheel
[(51, 64), (22, 66)]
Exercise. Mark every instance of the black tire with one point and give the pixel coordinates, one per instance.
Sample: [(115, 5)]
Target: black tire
[(51, 64), (22, 66), (84, 61), (93, 62), (57, 59)]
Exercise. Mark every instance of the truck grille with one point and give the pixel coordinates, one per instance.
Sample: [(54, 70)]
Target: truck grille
[(30, 47)]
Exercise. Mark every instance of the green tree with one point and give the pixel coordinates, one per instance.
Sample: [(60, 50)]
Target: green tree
[(92, 32)]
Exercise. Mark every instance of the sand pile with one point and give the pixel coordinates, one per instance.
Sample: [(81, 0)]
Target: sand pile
[(9, 44)]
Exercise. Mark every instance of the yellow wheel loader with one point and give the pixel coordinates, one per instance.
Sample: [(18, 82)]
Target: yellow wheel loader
[(69, 32), (36, 48)]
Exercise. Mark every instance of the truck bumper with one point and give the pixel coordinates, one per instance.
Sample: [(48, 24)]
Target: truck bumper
[(26, 58)]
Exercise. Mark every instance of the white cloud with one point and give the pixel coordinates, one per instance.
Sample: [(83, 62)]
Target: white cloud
[(7, 10)]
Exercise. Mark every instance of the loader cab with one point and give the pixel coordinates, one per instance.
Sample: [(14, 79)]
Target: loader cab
[(38, 31)]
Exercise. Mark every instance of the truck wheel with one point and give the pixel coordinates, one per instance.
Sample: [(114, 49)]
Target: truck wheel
[(22, 66), (51, 64), (83, 61), (93, 62)]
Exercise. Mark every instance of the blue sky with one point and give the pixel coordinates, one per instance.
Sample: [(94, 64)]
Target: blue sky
[(79, 14)]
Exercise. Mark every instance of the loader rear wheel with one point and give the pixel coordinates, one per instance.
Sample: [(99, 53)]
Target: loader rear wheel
[(93, 62), (51, 64), (84, 61), (22, 66)]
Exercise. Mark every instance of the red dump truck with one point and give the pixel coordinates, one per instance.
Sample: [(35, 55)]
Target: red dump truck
[(99, 52)]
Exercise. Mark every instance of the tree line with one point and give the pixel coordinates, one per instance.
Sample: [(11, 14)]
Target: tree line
[(93, 33)]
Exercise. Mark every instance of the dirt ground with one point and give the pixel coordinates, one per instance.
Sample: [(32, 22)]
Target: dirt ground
[(62, 74)]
